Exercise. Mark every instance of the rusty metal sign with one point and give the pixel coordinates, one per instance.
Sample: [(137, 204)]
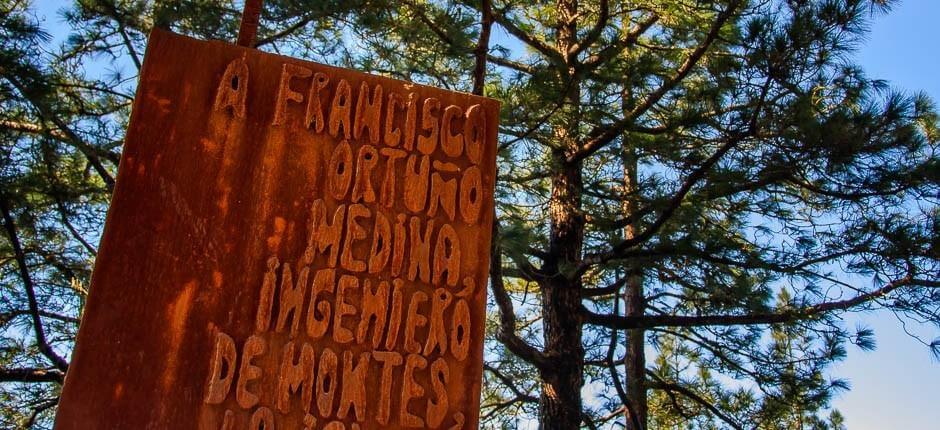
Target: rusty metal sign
[(289, 246)]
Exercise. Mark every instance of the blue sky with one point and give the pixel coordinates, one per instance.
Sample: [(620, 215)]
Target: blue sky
[(897, 386)]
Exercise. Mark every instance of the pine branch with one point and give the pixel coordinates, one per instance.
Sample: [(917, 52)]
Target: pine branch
[(38, 409), (674, 203), (611, 51), (422, 15), (287, 31), (778, 317), (42, 130), (508, 382), (7, 316), (552, 54), (510, 64), (113, 13), (593, 34), (32, 375), (27, 127), (603, 136), (72, 138), (506, 333), (692, 395), (20, 257), (696, 176), (499, 406), (63, 216)]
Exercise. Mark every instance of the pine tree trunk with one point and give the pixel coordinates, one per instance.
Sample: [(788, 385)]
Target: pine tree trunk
[(560, 399), (635, 358), (635, 413)]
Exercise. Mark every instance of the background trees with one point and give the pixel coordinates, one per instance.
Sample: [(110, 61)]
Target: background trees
[(691, 192)]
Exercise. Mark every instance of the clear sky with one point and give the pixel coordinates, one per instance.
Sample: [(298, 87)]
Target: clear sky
[(897, 386)]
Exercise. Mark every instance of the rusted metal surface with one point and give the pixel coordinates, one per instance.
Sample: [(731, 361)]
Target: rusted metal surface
[(283, 251)]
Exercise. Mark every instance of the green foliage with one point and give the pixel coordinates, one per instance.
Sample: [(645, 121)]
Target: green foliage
[(726, 158)]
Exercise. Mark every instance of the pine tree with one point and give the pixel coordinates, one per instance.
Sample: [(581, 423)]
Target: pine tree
[(691, 193)]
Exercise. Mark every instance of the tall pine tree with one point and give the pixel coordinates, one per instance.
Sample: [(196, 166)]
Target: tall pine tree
[(691, 195)]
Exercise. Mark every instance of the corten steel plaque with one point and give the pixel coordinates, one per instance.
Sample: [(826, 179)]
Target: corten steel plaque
[(290, 246)]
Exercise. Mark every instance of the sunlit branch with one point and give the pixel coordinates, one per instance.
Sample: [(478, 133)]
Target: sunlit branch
[(692, 395), (41, 342), (778, 317), (506, 332), (32, 375), (604, 135)]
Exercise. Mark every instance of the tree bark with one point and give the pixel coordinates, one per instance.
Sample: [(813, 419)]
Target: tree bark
[(560, 400), (635, 341), (636, 408)]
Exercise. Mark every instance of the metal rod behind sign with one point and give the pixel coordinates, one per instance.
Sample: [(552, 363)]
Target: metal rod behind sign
[(249, 26)]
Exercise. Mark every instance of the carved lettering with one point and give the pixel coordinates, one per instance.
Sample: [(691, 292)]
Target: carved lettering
[(354, 233), (341, 171), (228, 420), (474, 133), (346, 272), (392, 134), (310, 422), (444, 195), (411, 121), (314, 115), (324, 235), (413, 321), (416, 183), (366, 161), (429, 124), (296, 375), (437, 333), (420, 251), (437, 409), (394, 317), (398, 252), (390, 360), (342, 334), (221, 369), (326, 382), (266, 301), (388, 191), (292, 296), (446, 256), (460, 331), (471, 195), (381, 244), (411, 389), (285, 93), (247, 372), (374, 307), (451, 143), (262, 418), (368, 112), (341, 110), (233, 88), (353, 394), (319, 311)]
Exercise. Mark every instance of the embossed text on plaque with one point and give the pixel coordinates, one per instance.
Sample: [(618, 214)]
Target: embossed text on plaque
[(290, 246)]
